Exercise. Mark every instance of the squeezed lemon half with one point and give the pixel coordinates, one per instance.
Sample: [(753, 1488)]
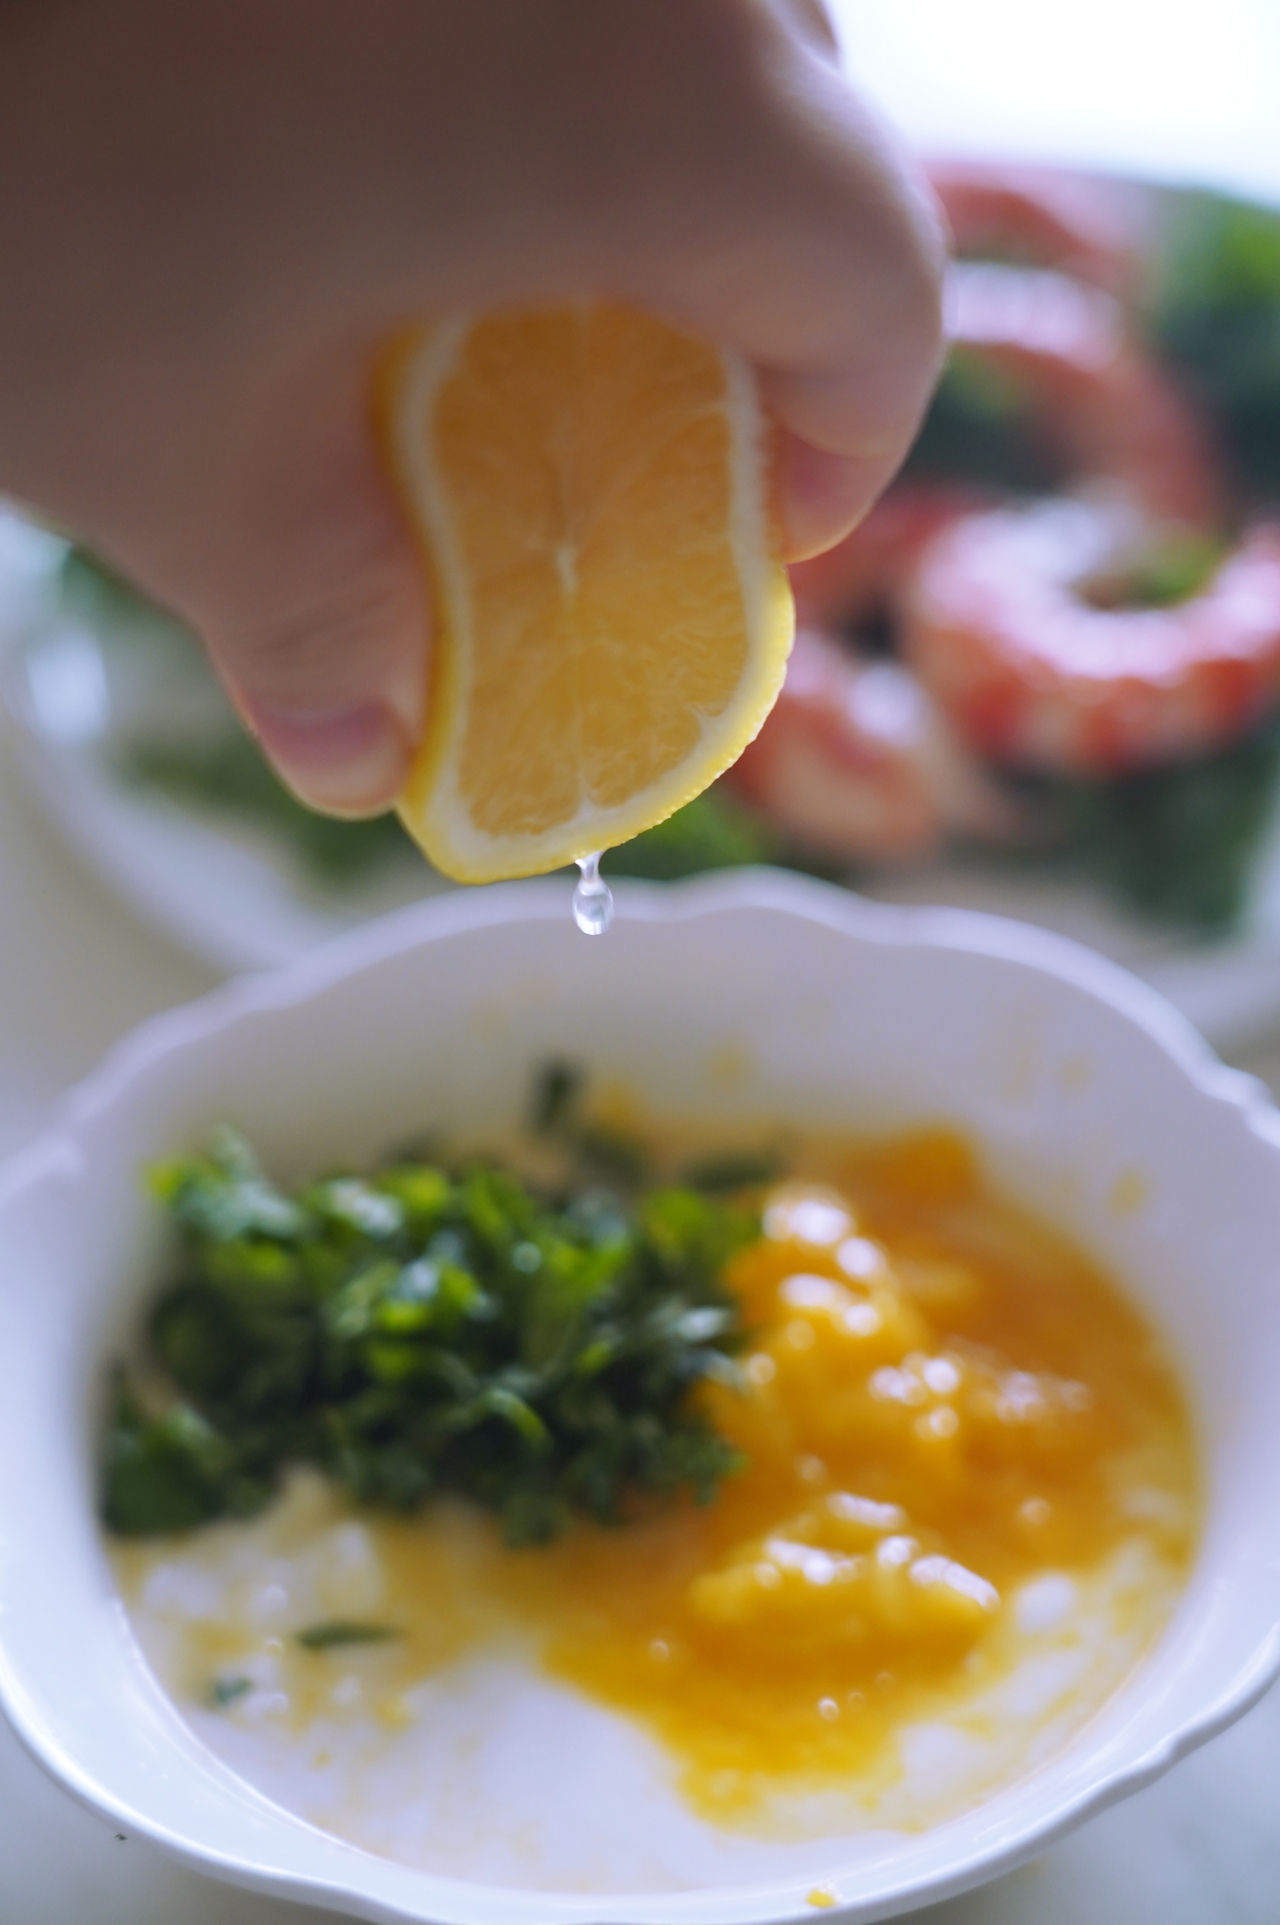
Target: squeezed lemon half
[(612, 621)]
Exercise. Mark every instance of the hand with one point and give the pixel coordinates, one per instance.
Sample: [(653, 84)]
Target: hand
[(213, 215)]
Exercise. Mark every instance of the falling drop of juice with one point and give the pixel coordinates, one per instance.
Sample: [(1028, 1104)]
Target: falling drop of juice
[(592, 898)]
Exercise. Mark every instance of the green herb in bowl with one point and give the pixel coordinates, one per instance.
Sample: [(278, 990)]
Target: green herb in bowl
[(425, 1330)]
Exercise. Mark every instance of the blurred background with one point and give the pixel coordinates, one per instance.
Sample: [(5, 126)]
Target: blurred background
[(1111, 175), (144, 853), (1175, 90)]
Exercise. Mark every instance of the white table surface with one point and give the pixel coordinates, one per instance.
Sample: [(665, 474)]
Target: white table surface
[(1168, 87)]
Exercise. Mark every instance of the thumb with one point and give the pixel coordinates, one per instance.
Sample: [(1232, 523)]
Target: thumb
[(304, 581)]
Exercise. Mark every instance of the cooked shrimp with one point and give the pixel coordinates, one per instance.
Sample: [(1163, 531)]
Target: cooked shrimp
[(860, 579), (1100, 403), (1004, 627), (1046, 217), (858, 763), (857, 759), (1107, 413)]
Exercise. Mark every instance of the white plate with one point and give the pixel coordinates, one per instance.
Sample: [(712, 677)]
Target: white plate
[(237, 899), (234, 897)]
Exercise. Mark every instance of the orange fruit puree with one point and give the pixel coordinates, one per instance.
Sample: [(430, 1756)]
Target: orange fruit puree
[(941, 1401)]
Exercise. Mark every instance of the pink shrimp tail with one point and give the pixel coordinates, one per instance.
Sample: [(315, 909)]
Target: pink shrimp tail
[(863, 575), (1092, 228), (1104, 409), (857, 762), (1001, 630)]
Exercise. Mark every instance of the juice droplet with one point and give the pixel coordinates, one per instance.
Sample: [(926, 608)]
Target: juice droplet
[(593, 898)]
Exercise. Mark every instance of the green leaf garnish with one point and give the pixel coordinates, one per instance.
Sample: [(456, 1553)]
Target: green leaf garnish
[(734, 1170), (601, 1151), (1215, 313), (1179, 844), (228, 1691), (556, 1090), (421, 1331), (339, 1631), (714, 831)]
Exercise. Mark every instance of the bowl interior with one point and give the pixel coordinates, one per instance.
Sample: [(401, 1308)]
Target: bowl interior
[(756, 998)]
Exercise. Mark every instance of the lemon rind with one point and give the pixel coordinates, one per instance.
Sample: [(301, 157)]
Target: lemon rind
[(429, 805)]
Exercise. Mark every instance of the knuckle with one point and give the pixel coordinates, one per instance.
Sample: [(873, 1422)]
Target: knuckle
[(328, 646)]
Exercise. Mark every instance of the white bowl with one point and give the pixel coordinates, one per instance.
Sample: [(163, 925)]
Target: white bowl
[(761, 993)]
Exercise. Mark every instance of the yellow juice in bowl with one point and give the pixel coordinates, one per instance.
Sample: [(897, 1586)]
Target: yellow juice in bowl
[(967, 1506)]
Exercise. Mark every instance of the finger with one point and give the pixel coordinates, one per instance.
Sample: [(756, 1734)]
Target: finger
[(189, 401), (782, 220), (320, 631), (848, 370), (813, 18), (821, 496), (295, 562)]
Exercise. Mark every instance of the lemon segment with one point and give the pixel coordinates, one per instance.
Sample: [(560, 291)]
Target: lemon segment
[(612, 622)]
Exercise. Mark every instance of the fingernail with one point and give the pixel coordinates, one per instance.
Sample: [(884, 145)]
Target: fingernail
[(350, 761), (822, 496)]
